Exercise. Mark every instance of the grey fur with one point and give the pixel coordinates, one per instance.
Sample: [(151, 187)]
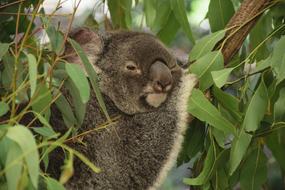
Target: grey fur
[(139, 150)]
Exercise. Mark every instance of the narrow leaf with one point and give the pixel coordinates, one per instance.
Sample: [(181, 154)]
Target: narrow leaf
[(279, 111), (254, 171), (92, 76), (258, 102), (201, 108), (205, 45), (53, 184), (204, 66), (220, 77), (206, 172), (24, 138), (13, 173), (219, 13), (32, 72), (4, 108), (4, 47), (179, 10), (239, 147), (79, 79)]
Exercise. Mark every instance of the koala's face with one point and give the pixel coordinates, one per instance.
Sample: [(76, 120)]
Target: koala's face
[(137, 72)]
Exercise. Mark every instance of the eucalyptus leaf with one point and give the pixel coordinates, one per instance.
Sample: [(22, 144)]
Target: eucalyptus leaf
[(239, 147), (56, 39), (79, 79), (42, 100), (205, 45), (278, 59), (178, 8), (259, 102), (32, 72), (149, 7), (219, 13), (92, 76), (279, 111), (276, 142), (167, 33), (201, 108), (4, 108), (204, 66), (254, 171), (220, 77), (206, 172), (66, 111), (53, 184), (4, 47), (26, 141), (13, 173), (229, 102)]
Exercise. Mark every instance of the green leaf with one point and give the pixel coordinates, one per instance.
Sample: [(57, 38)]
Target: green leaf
[(250, 123), (46, 132), (68, 170), (221, 77), (79, 79), (239, 147), (42, 100), (179, 11), (258, 102), (254, 171), (167, 33), (56, 39), (79, 106), (193, 142), (92, 75), (229, 102), (162, 18), (149, 7), (66, 111), (263, 64), (204, 66), (205, 45), (201, 108), (219, 13), (4, 108), (276, 142), (4, 47), (120, 11), (203, 177), (53, 184), (13, 173), (25, 139), (278, 59), (256, 37), (32, 72), (279, 111)]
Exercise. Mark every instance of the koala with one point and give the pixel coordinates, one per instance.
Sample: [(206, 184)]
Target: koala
[(143, 85)]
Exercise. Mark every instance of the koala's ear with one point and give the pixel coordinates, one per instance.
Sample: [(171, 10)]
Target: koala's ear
[(90, 41)]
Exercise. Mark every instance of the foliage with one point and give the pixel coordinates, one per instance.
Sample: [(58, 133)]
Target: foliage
[(237, 130)]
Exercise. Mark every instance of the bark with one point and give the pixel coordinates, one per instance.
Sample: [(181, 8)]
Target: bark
[(240, 25)]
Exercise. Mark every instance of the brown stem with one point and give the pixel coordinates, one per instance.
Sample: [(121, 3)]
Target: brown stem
[(241, 24)]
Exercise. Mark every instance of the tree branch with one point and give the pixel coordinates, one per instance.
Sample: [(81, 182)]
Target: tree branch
[(240, 25)]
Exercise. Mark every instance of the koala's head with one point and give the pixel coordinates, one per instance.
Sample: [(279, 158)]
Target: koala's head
[(136, 71)]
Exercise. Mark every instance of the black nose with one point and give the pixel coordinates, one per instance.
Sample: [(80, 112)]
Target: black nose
[(161, 76)]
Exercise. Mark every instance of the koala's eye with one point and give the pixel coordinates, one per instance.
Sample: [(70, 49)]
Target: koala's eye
[(131, 67)]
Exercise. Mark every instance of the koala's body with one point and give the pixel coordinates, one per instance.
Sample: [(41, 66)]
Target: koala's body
[(142, 84)]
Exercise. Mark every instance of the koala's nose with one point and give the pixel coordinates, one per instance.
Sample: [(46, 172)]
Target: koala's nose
[(161, 76)]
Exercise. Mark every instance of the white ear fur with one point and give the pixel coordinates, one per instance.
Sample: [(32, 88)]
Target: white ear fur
[(188, 82)]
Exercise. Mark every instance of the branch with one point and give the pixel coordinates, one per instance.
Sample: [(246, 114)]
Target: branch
[(240, 25)]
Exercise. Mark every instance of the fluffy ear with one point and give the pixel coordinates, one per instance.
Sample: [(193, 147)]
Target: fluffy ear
[(92, 44)]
